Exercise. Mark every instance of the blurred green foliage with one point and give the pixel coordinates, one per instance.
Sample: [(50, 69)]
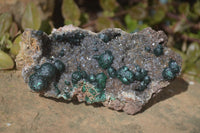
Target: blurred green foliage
[(31, 17), (180, 19), (71, 12)]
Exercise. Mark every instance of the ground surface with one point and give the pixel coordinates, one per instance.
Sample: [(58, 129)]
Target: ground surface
[(176, 109)]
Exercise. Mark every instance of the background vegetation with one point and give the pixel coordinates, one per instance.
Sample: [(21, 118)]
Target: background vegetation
[(180, 19)]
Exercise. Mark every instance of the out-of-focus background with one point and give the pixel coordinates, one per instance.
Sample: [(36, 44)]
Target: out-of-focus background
[(180, 19)]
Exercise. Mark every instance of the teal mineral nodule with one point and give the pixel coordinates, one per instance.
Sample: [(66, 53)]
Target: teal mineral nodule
[(117, 69), (105, 60), (125, 75), (37, 82)]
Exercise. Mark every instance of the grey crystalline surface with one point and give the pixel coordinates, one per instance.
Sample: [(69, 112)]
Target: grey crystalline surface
[(118, 69)]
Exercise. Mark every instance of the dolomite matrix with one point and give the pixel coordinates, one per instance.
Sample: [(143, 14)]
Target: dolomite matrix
[(118, 69)]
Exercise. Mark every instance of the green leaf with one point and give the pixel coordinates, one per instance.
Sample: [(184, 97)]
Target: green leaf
[(13, 30), (193, 35), (84, 18), (9, 44), (103, 22), (109, 5), (158, 15), (137, 12), (193, 52), (45, 26), (31, 17), (6, 61), (130, 23), (5, 43), (184, 8), (197, 7), (14, 50), (71, 12), (108, 14), (192, 70), (180, 26), (197, 63), (134, 25), (5, 22), (117, 24)]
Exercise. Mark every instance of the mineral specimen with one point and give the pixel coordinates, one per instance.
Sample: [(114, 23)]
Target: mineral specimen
[(118, 69)]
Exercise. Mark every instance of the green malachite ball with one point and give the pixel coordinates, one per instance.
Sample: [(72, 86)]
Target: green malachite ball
[(148, 49), (125, 75), (174, 66), (62, 53), (140, 73), (158, 50), (76, 76), (79, 35), (60, 66), (138, 76), (37, 82), (101, 80), (147, 80), (67, 82), (47, 70), (84, 74), (105, 60), (168, 74), (92, 78), (112, 72), (105, 38), (142, 86), (143, 72)]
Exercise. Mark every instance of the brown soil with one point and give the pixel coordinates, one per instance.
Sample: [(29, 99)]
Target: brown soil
[(176, 109)]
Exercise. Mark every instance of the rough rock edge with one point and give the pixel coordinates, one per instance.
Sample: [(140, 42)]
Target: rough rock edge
[(30, 54)]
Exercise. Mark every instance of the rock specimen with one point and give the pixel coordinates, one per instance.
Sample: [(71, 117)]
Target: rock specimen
[(118, 69)]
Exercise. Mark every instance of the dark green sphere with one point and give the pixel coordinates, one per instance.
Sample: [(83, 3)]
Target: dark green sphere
[(148, 49), (142, 86), (125, 75), (76, 76), (47, 70), (101, 76), (112, 72), (60, 66), (104, 37), (67, 82), (37, 82), (158, 50), (168, 74), (140, 73), (92, 78), (174, 66), (84, 74), (62, 53), (101, 81), (143, 72), (138, 76), (147, 80), (79, 35), (106, 59)]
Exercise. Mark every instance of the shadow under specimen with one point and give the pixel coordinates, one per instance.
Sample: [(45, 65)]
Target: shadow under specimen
[(176, 87)]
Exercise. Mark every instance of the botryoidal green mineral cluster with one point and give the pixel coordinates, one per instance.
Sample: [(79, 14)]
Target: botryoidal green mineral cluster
[(118, 69)]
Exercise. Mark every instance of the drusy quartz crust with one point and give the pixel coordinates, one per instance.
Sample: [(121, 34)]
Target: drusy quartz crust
[(118, 69)]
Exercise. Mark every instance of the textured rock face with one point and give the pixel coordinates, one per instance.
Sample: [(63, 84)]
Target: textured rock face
[(118, 69)]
